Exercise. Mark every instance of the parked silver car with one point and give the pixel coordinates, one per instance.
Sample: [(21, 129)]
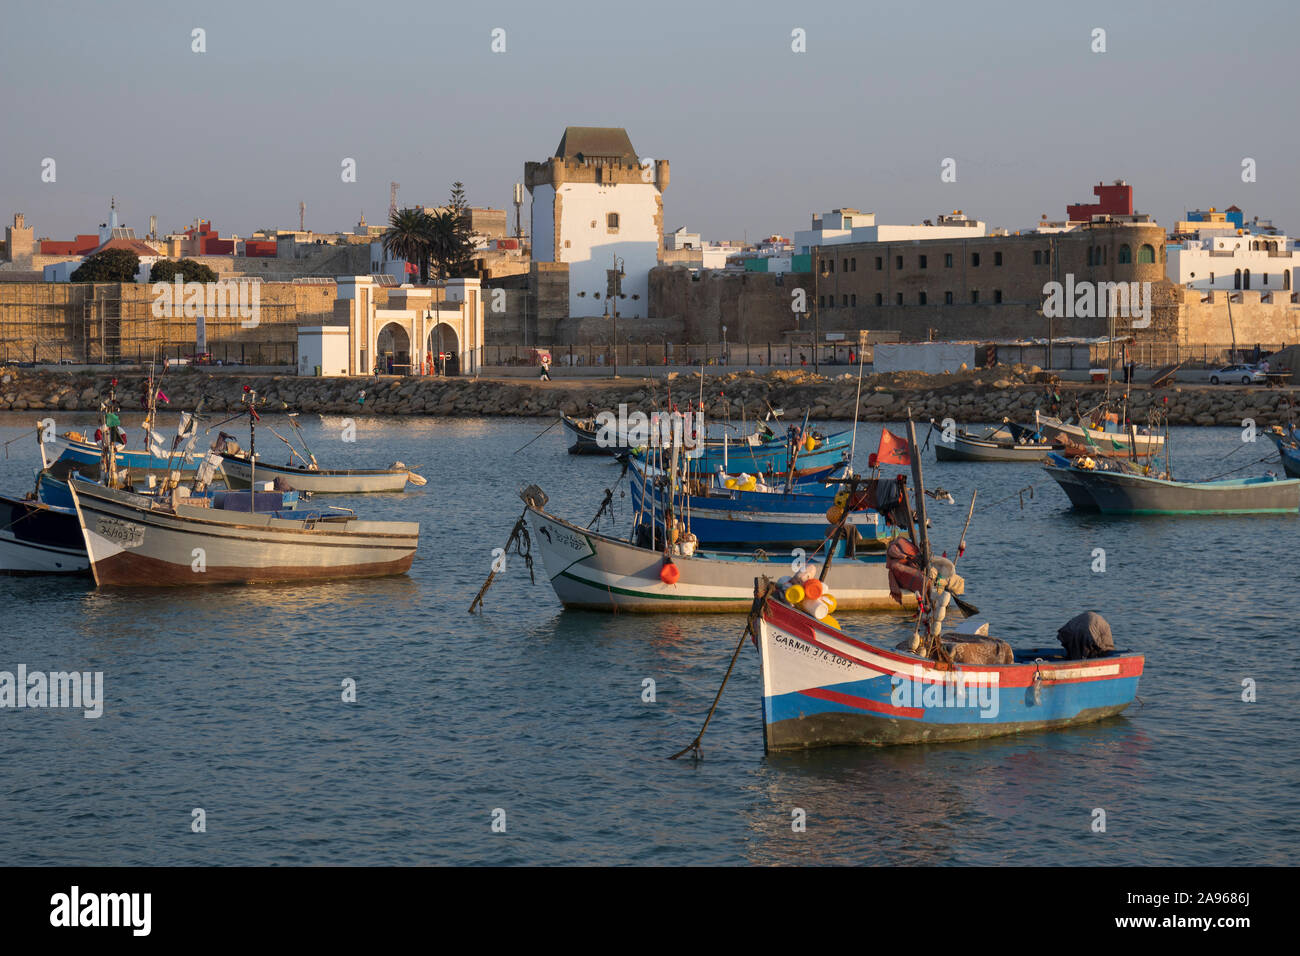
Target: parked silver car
[(1233, 374)]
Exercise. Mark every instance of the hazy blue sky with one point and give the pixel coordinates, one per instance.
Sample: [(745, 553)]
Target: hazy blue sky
[(758, 136)]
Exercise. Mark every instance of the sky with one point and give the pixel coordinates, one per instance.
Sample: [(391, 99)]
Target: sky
[(759, 137)]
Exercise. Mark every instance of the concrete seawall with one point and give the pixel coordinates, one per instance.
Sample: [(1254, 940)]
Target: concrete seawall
[(981, 396)]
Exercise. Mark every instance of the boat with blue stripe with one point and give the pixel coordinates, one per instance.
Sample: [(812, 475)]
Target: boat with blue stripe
[(823, 688), (722, 517)]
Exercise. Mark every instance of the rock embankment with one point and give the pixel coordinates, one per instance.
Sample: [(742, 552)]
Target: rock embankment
[(982, 395)]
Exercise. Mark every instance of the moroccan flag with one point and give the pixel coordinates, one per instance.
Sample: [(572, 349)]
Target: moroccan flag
[(892, 450)]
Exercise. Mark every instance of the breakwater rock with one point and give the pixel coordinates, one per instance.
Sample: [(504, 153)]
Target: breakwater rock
[(983, 395)]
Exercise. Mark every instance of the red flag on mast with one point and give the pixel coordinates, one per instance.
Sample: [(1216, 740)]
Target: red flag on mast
[(892, 450)]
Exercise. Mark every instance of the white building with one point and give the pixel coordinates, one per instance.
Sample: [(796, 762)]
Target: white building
[(1265, 263), (596, 205), (841, 226)]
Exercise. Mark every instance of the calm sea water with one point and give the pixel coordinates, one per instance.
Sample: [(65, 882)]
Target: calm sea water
[(229, 699)]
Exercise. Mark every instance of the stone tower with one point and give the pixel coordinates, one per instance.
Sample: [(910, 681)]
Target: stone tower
[(594, 200), (20, 242)]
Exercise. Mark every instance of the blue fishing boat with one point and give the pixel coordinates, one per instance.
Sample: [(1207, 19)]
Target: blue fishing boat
[(759, 456), (823, 688), (74, 448), (722, 517), (1288, 446)]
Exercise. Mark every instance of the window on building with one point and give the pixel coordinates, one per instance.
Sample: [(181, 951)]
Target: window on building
[(899, 298), (1147, 253), (853, 299), (821, 301), (611, 221), (880, 299), (947, 298), (921, 261), (947, 260), (997, 295), (830, 265), (1245, 279), (997, 258), (974, 296), (1047, 257), (1092, 255), (846, 265), (1286, 279), (898, 262), (920, 298), (844, 301), (1236, 279), (975, 259), (1125, 254), (880, 263), (1038, 257), (853, 264)]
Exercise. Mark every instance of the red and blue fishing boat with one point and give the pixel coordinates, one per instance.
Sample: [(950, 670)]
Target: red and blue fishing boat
[(823, 688)]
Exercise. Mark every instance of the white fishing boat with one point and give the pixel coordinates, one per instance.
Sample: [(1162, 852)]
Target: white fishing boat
[(604, 573), (134, 540)]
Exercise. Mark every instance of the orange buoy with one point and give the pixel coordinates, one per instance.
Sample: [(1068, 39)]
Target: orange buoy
[(812, 589), (669, 573)]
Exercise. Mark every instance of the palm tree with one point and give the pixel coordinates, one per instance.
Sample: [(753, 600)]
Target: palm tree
[(446, 238), (408, 238)]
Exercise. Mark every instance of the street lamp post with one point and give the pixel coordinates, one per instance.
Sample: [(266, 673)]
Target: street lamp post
[(616, 288), (725, 357)]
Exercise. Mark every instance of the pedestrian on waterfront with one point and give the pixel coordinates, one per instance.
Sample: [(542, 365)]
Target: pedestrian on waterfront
[(803, 360), (546, 370)]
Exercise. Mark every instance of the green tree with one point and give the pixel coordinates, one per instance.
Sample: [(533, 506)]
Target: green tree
[(452, 236), (166, 270), (407, 238), (111, 265)]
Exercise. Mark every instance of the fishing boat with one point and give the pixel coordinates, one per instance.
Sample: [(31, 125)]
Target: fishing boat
[(38, 538), (74, 448), (1121, 487), (1288, 447), (823, 688), (748, 517), (241, 467), (1007, 442), (595, 571), (52, 491), (1105, 438), (239, 472), (135, 540)]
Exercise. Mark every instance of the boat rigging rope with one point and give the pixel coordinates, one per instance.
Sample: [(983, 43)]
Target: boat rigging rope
[(762, 593), (537, 436), (522, 544), (34, 431)]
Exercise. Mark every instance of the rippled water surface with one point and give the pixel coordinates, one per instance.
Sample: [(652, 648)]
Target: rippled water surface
[(229, 699)]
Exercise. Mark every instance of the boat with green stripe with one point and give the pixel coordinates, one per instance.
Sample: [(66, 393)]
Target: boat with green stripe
[(600, 572)]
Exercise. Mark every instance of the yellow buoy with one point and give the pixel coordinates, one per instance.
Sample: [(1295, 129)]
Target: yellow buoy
[(794, 594), (830, 621)]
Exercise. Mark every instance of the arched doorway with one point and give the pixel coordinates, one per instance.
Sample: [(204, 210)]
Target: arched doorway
[(444, 348), (393, 350)]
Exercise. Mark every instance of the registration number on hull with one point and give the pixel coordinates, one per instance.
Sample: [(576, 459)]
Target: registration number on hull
[(125, 533)]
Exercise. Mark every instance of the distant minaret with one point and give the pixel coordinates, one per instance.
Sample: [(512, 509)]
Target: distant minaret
[(302, 217)]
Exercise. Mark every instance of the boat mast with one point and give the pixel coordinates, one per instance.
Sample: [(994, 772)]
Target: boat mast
[(857, 404)]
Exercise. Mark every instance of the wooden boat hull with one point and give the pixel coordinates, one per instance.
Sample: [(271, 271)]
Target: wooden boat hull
[(239, 475), (597, 572), (134, 544), (1119, 493), (36, 538), (822, 688)]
